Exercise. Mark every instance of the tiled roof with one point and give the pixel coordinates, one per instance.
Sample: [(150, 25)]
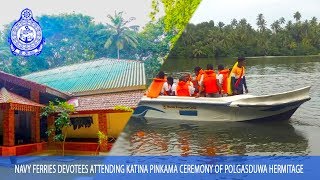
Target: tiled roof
[(9, 97), (107, 101), (98, 75)]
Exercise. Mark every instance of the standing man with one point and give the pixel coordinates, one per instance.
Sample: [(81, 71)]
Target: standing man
[(238, 78)]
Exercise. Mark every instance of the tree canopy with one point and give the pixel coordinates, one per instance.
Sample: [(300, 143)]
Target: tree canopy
[(177, 14), (75, 38), (239, 38)]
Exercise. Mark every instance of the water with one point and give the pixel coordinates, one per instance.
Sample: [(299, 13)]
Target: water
[(298, 136)]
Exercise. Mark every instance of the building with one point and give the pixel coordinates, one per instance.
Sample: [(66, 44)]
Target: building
[(94, 87)]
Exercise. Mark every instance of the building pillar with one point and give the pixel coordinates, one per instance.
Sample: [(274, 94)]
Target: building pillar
[(50, 123), (35, 127), (8, 128), (102, 118), (8, 148)]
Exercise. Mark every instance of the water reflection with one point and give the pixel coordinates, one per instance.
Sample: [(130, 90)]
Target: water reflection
[(169, 137)]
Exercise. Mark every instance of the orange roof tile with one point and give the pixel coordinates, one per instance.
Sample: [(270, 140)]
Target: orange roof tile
[(107, 101), (9, 97)]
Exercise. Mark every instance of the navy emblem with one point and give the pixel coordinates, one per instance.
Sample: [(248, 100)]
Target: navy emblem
[(26, 35)]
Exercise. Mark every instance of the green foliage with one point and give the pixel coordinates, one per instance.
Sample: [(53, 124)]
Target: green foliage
[(154, 46), (120, 33), (239, 38), (123, 108), (75, 38), (61, 110), (177, 14), (102, 137)]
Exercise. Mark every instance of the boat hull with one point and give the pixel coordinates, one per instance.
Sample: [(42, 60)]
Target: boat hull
[(234, 108)]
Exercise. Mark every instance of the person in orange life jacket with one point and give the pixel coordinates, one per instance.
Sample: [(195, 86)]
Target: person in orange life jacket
[(199, 72), (238, 78), (155, 87), (167, 87), (223, 79), (190, 83), (182, 88), (210, 83)]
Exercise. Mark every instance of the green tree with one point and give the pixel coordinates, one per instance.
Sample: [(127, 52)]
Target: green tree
[(239, 39), (275, 26), (177, 14), (220, 24), (62, 111), (120, 33), (297, 16), (261, 22)]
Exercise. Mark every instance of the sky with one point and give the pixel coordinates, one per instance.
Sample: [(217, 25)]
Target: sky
[(99, 9), (226, 10)]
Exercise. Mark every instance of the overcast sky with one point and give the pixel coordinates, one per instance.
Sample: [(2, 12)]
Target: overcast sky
[(99, 9), (226, 10)]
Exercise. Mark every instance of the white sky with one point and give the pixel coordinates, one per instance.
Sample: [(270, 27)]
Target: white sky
[(99, 9), (226, 10)]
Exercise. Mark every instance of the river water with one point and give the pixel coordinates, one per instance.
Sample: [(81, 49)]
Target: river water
[(298, 136)]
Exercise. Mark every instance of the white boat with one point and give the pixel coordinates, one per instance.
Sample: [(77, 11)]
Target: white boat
[(245, 107)]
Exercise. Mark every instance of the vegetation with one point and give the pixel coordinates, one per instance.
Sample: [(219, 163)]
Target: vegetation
[(120, 33), (239, 38), (75, 38), (102, 141), (123, 108), (177, 15), (62, 111)]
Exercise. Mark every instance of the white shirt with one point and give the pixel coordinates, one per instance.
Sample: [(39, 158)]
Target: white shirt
[(220, 78), (165, 87)]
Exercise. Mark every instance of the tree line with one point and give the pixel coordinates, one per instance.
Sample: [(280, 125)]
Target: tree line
[(239, 38), (75, 38)]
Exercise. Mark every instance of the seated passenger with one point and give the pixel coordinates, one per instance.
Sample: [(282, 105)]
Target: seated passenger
[(167, 87), (155, 88), (223, 79), (199, 72), (210, 83), (182, 89), (190, 83)]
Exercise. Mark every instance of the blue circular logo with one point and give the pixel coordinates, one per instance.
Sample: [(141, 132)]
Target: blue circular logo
[(26, 35)]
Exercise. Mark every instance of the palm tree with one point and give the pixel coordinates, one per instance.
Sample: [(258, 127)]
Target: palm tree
[(121, 34), (275, 26), (220, 24), (314, 21), (282, 20), (297, 16), (261, 22), (234, 23)]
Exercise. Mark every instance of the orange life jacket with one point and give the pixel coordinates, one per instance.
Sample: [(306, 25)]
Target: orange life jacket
[(225, 84), (182, 89), (210, 82), (198, 78), (155, 87)]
